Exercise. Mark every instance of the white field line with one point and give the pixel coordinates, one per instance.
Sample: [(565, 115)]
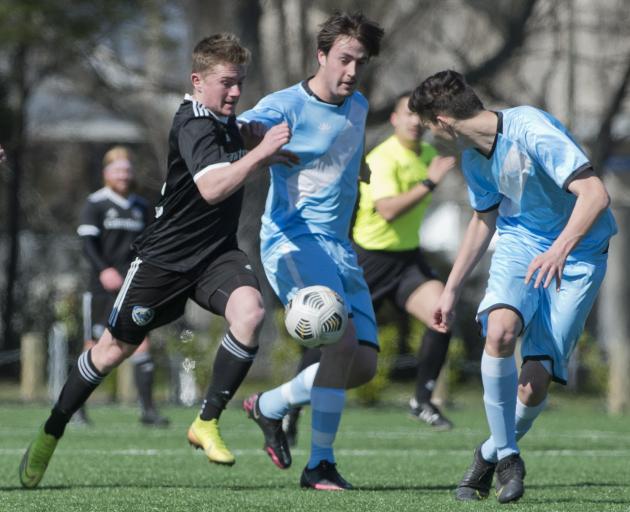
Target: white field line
[(401, 452), (132, 431)]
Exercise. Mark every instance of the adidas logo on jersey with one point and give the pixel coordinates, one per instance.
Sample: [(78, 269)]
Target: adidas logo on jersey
[(324, 127)]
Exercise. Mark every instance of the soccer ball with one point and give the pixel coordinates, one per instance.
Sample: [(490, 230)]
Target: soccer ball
[(316, 316)]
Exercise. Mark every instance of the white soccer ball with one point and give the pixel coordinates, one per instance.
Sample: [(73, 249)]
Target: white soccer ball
[(316, 316)]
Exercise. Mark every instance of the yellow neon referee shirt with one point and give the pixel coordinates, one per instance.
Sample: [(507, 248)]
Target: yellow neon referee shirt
[(394, 169)]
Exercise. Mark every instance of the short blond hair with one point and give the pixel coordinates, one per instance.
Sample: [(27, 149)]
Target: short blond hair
[(116, 153), (223, 48)]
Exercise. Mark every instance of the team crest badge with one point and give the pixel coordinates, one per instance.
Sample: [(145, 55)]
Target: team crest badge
[(141, 315)]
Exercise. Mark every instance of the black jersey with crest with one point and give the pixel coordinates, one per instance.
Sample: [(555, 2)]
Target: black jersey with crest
[(188, 232), (108, 225)]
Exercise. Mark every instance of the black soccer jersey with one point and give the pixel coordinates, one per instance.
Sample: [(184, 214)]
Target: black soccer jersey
[(109, 224), (188, 232)]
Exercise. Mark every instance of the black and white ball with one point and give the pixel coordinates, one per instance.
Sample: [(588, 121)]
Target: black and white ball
[(316, 316)]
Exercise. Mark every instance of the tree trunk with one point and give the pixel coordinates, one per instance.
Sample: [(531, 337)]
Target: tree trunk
[(614, 322), (9, 339)]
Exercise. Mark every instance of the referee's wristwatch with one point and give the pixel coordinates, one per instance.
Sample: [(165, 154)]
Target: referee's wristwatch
[(430, 184)]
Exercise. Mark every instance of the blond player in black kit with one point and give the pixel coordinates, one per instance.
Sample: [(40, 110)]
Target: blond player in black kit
[(188, 252)]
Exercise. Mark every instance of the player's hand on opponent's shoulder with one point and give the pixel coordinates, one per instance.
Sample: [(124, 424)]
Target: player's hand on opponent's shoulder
[(111, 279), (271, 146), (443, 314), (439, 166), (252, 133)]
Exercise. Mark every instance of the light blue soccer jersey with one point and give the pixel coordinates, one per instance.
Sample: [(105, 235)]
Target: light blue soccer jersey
[(532, 163), (304, 238), (318, 195)]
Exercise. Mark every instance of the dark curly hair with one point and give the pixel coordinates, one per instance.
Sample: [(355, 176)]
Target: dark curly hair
[(446, 93)]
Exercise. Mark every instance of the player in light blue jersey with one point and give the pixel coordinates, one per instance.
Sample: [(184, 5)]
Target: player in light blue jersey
[(530, 181), (304, 236)]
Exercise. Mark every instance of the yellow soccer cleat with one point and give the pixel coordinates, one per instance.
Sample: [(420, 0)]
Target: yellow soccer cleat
[(36, 459), (205, 435)]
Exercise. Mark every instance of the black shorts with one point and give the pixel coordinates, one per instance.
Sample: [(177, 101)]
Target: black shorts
[(394, 274), (151, 296), (96, 309)]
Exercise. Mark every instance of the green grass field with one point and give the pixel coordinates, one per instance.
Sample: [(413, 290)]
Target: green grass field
[(576, 457)]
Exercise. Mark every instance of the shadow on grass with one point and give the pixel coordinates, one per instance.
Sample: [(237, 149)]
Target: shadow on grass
[(571, 485), (389, 488), (204, 486), (234, 487)]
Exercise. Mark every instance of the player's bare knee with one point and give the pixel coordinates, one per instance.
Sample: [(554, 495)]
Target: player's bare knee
[(108, 355), (251, 318), (500, 340)]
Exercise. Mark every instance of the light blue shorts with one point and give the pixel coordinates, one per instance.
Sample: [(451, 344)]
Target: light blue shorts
[(553, 320), (310, 260)]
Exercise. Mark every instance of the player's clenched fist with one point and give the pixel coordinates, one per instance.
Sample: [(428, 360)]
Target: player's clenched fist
[(272, 143)]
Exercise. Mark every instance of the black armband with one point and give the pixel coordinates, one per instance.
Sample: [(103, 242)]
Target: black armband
[(430, 184)]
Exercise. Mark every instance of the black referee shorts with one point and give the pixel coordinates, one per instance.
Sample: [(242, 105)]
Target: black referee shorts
[(394, 275), (96, 309), (151, 296)]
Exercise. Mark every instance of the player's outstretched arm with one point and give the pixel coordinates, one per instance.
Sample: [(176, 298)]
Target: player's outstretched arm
[(592, 200), (220, 183), (476, 240)]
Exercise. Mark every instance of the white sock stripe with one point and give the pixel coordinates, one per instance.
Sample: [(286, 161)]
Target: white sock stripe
[(234, 349), (123, 291), (86, 372)]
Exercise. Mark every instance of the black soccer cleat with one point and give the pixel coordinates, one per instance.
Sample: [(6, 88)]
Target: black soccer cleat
[(476, 483), (289, 425), (510, 475), (430, 414), (276, 444), (151, 418), (324, 477)]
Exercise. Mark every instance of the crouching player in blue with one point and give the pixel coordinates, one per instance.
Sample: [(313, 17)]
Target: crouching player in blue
[(304, 236), (529, 180)]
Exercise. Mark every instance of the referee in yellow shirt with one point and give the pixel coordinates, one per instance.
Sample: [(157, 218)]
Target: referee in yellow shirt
[(404, 172)]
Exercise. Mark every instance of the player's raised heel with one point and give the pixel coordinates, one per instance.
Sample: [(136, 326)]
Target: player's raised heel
[(205, 435), (276, 444), (510, 475), (36, 459)]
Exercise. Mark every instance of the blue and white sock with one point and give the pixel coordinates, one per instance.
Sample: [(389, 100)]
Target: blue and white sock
[(500, 386), (525, 416), (327, 405), (277, 402)]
